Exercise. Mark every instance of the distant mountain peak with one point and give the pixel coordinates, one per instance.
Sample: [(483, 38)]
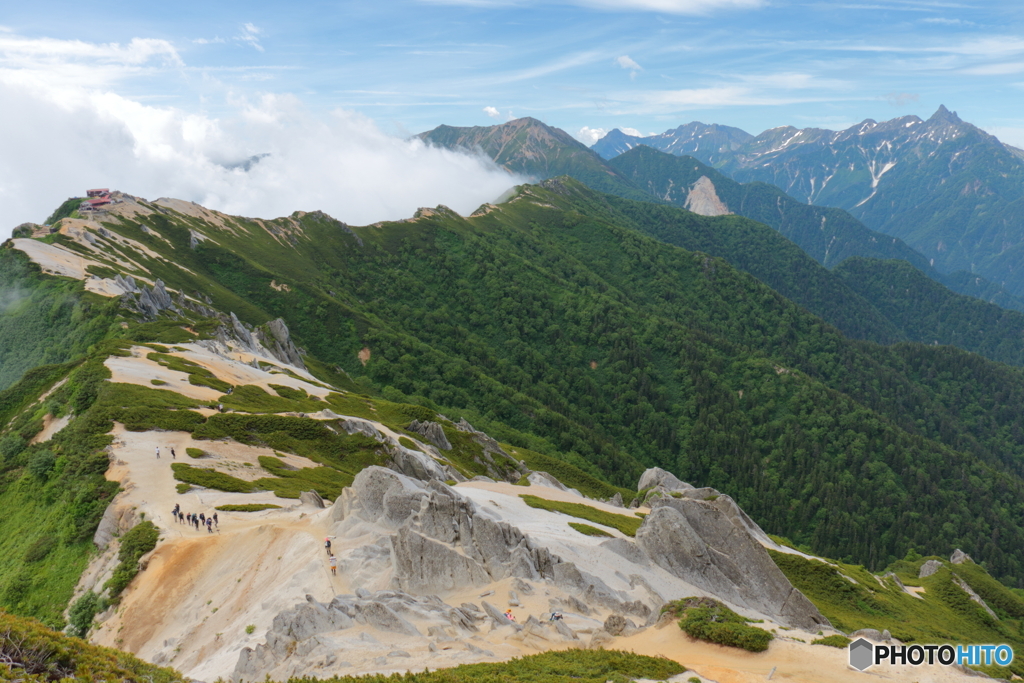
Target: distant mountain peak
[(943, 115)]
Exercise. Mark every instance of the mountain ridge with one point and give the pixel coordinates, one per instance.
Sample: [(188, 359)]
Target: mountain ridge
[(947, 188)]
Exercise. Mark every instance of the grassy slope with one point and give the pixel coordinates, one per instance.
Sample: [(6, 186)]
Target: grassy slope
[(852, 598)]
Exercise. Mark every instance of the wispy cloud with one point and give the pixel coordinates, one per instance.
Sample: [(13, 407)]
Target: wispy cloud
[(250, 35), (1001, 69), (18, 51), (628, 63), (945, 21), (492, 112), (901, 99)]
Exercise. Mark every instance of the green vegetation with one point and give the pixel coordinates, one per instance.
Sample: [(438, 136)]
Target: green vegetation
[(250, 629), (290, 482), (852, 598), (925, 311), (250, 507), (572, 475), (627, 525), (579, 666), (588, 530), (254, 399), (195, 452), (82, 613), (710, 620), (33, 652), (408, 443), (45, 320), (832, 641), (210, 478), (138, 541), (197, 374)]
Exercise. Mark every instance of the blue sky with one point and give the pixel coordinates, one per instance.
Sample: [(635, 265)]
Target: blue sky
[(223, 72)]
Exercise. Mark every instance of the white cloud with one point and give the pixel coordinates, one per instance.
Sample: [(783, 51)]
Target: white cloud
[(1002, 69), (492, 112), (19, 52), (250, 35), (632, 131), (627, 62), (588, 136), (947, 22), (71, 137)]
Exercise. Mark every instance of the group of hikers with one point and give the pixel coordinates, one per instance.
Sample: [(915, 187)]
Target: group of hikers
[(194, 520), (174, 456)]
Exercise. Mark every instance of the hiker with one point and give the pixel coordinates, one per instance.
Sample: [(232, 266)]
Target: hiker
[(555, 616), (209, 525), (508, 615), (327, 545), (333, 561), (195, 520), (181, 517), (157, 452), (173, 456), (215, 520), (202, 518)]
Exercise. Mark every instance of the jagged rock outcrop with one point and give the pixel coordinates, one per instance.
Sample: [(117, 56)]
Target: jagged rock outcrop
[(659, 477), (432, 432), (276, 339), (959, 557), (127, 283), (364, 427), (702, 543), (974, 596), (491, 449), (315, 631), (416, 464), (147, 301), (440, 539), (929, 568), (312, 498), (538, 478)]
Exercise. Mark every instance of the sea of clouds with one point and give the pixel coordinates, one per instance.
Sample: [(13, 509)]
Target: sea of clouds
[(65, 128)]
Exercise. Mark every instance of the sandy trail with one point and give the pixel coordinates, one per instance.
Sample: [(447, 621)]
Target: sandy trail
[(191, 606), (139, 369), (798, 662)]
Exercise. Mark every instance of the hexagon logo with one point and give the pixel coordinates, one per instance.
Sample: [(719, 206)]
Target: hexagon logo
[(862, 654)]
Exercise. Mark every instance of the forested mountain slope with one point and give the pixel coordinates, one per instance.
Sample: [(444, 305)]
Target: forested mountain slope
[(533, 149), (925, 311), (552, 325), (948, 189), (530, 147), (828, 235)]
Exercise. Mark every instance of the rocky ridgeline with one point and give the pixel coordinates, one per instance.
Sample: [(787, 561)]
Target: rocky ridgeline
[(272, 340), (404, 541)]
